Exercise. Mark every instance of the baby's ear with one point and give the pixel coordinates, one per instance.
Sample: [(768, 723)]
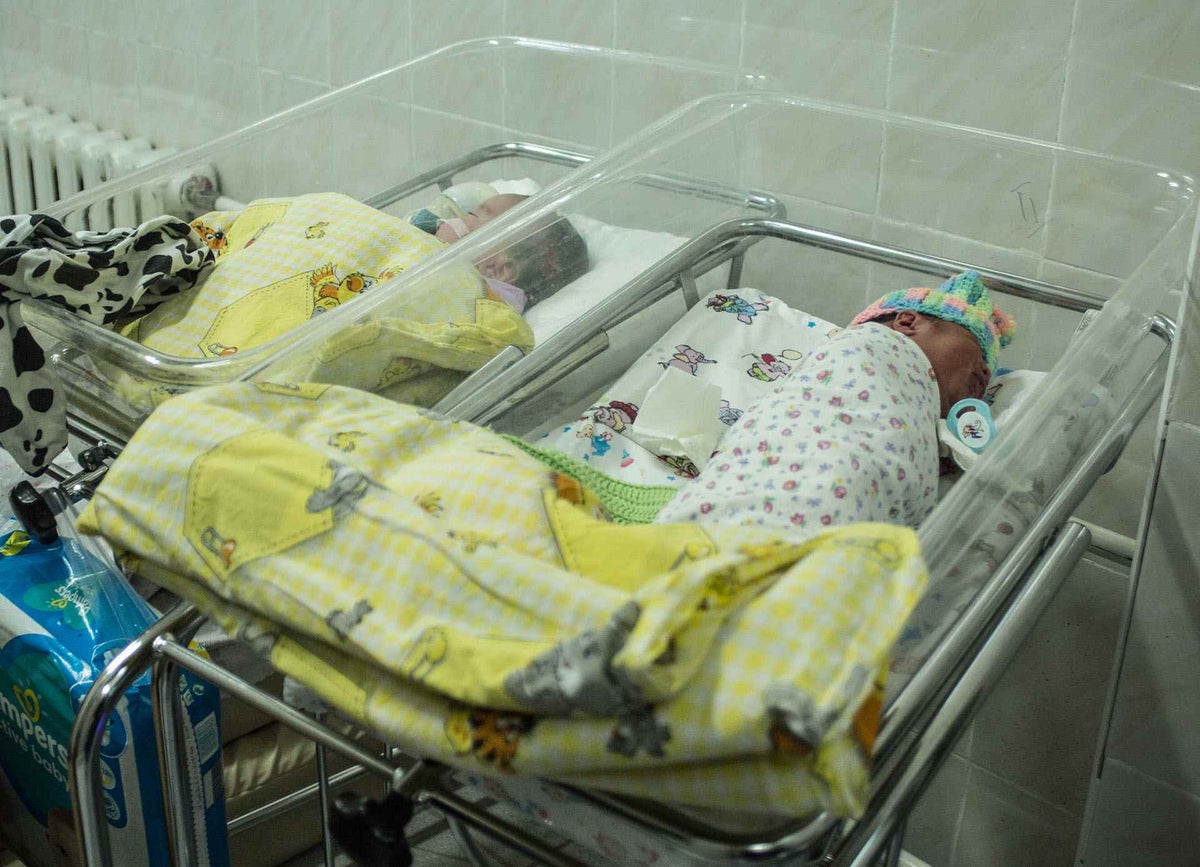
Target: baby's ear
[(508, 271), (906, 322)]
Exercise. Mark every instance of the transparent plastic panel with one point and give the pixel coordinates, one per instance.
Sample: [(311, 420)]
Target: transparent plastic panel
[(1020, 207), (1117, 233), (1028, 210), (1030, 471), (517, 113)]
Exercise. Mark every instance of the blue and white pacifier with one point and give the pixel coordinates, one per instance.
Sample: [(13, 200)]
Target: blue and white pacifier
[(970, 420)]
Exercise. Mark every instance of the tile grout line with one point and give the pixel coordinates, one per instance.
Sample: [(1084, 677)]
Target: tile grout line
[(883, 141), (612, 79), (1028, 793), (1058, 131), (1068, 68), (962, 812)]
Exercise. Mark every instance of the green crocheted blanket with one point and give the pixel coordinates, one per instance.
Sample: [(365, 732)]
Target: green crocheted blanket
[(627, 503)]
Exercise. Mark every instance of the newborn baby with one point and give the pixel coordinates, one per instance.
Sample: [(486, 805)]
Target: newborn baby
[(850, 434), (528, 271)]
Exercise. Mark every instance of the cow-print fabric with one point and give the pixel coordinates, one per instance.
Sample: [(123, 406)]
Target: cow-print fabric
[(101, 276)]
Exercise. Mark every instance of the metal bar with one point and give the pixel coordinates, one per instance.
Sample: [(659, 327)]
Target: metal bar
[(736, 263), (1163, 326), (754, 199), (479, 405), (323, 796), (894, 799), (291, 800), (87, 733), (895, 845), (455, 807), (492, 368), (458, 828), (447, 170), (388, 750), (168, 726), (913, 260), (473, 405), (691, 294), (274, 708), (90, 434), (578, 357)]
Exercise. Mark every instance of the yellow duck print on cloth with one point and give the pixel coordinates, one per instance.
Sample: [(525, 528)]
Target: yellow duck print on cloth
[(471, 604), (329, 291)]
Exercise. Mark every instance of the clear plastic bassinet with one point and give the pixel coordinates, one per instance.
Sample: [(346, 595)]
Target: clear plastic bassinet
[(393, 141), (878, 202)]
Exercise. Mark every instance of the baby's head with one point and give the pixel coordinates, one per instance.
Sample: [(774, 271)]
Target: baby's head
[(956, 325), (541, 263)]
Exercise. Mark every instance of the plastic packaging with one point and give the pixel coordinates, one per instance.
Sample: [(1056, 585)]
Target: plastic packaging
[(65, 611)]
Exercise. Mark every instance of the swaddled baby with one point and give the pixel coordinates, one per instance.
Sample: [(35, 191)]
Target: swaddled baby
[(850, 434)]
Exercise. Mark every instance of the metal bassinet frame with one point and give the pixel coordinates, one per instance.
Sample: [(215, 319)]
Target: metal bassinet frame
[(920, 724)]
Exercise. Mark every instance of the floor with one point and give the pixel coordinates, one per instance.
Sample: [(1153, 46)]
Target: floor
[(433, 845)]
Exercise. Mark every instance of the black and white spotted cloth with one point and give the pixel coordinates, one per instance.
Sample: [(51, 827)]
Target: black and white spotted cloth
[(100, 276)]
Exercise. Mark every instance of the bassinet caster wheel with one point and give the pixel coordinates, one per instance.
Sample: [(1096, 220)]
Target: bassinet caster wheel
[(372, 832)]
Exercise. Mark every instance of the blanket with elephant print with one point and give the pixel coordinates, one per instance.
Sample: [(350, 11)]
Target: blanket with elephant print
[(466, 602), (733, 346)]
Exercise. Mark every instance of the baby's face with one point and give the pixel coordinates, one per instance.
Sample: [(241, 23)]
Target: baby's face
[(499, 266), (957, 361), (492, 208), (954, 355)]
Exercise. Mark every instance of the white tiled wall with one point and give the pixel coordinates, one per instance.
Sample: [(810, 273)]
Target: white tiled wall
[(1145, 803), (1119, 76), (1013, 792)]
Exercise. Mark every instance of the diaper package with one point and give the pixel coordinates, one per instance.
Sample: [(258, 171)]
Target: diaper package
[(65, 611)]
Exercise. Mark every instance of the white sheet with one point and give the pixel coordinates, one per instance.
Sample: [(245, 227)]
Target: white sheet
[(617, 255)]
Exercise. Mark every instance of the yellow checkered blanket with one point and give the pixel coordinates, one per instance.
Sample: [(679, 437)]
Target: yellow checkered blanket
[(283, 262), (469, 604)]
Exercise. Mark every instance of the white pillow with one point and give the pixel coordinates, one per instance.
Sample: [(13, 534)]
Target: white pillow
[(616, 255)]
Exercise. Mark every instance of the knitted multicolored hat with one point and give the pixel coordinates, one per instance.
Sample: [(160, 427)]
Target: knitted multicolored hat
[(963, 300)]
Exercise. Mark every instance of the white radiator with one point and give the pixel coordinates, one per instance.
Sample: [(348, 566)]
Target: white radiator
[(46, 156)]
